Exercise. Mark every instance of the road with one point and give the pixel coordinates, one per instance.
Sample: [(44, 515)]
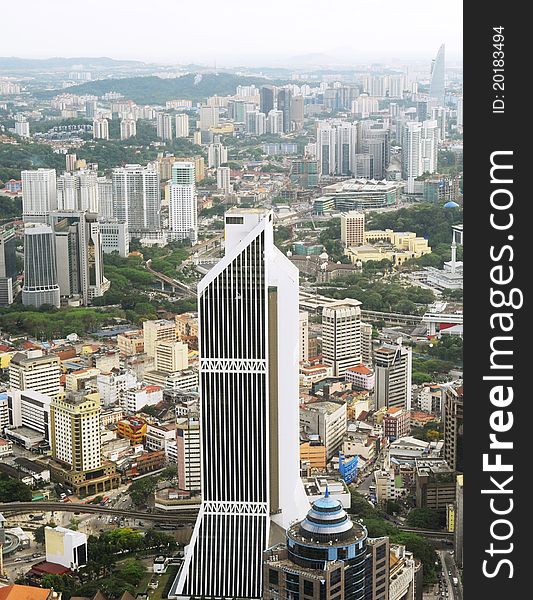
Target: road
[(186, 515)]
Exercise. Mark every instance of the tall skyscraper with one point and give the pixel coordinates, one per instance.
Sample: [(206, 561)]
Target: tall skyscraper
[(336, 147), (209, 116), (274, 122), (37, 373), (453, 427), (41, 285), (182, 210), (304, 336), (266, 99), (8, 266), (437, 85), (341, 335), (182, 126), (248, 343), (39, 195), (297, 111), (79, 254), (393, 366), (285, 105), (137, 198), (375, 140)]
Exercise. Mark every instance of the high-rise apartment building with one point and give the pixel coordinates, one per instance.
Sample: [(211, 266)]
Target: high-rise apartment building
[(419, 150), (106, 209), (217, 155), (223, 179), (39, 194), (8, 266), (156, 331), (297, 112), (341, 335), (164, 126), (336, 147), (41, 284), (353, 228), (38, 373), (248, 341), (78, 191), (274, 122), (79, 255), (393, 366), (182, 126), (137, 198), (453, 427), (209, 116), (182, 209), (128, 128), (101, 129)]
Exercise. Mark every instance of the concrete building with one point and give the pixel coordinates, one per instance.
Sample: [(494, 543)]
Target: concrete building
[(304, 336), (114, 238), (341, 335), (157, 331), (100, 129), (217, 155), (396, 423), (182, 209), (8, 266), (164, 126), (327, 420), (435, 484), (248, 340), (78, 191), (41, 282), (65, 547), (131, 343), (459, 521), (321, 560), (106, 207), (361, 377), (128, 128), (353, 229), (182, 126), (39, 194), (137, 198), (112, 385), (453, 427), (79, 255), (224, 179), (28, 422), (158, 436), (171, 357), (75, 428), (393, 369), (134, 399), (35, 372), (188, 454), (377, 569)]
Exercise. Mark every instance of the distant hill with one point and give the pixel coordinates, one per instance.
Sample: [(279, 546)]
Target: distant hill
[(154, 90), (14, 63)]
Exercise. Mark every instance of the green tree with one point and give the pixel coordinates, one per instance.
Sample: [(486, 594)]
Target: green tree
[(423, 518), (13, 490)]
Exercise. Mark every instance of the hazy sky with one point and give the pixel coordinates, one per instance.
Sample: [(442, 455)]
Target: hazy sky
[(233, 32)]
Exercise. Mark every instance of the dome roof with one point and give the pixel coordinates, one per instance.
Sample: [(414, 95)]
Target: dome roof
[(451, 204), (327, 517)]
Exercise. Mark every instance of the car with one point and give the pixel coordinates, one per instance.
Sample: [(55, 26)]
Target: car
[(35, 555), (450, 573)]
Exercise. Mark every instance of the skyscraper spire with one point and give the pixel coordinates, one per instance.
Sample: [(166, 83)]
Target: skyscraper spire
[(438, 74)]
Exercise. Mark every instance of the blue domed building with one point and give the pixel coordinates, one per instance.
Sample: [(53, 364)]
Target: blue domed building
[(324, 557), (451, 204)]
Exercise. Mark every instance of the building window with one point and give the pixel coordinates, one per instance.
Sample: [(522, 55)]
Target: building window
[(234, 220)]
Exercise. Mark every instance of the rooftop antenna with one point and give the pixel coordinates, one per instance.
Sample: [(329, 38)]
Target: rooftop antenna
[(326, 495)]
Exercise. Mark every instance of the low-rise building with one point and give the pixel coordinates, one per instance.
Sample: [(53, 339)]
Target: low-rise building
[(435, 484), (157, 436), (361, 377), (131, 343), (326, 419), (396, 423)]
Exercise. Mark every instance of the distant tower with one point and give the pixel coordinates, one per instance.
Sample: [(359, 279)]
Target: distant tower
[(438, 71)]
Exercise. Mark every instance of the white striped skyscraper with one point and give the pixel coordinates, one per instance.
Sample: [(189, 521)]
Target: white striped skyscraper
[(248, 343), (41, 284)]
